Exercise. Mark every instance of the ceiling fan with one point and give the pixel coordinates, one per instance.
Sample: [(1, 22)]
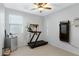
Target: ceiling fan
[(41, 6)]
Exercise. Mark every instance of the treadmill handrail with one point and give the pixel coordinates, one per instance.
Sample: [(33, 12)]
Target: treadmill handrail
[(35, 31)]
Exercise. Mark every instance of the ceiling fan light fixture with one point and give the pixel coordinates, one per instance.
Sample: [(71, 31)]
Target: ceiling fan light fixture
[(41, 9), (41, 6)]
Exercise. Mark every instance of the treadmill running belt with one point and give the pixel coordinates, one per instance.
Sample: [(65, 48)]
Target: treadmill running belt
[(37, 44)]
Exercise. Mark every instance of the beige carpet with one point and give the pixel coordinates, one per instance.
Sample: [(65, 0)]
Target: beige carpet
[(46, 50)]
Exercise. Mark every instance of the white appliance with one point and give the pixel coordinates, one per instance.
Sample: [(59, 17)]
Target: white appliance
[(11, 42)]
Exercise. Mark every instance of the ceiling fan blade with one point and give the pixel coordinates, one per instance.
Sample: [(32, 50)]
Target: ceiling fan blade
[(47, 8), (44, 4), (40, 4), (35, 3)]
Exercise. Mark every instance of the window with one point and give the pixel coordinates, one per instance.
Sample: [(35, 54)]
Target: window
[(15, 24)]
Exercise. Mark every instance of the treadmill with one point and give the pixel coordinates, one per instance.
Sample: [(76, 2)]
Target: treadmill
[(36, 43)]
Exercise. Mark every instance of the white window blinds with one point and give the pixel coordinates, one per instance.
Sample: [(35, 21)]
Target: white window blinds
[(15, 24)]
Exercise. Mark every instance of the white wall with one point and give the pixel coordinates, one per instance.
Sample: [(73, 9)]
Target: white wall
[(27, 19), (52, 26), (2, 27)]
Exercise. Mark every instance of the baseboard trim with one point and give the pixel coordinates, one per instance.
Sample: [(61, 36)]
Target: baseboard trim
[(65, 49)]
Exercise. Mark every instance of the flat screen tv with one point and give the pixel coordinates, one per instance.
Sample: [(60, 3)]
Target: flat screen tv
[(64, 31)]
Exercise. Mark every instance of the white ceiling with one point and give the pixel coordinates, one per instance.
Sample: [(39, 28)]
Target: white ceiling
[(27, 7)]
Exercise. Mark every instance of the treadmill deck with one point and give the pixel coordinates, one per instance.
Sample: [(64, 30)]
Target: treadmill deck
[(38, 43)]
